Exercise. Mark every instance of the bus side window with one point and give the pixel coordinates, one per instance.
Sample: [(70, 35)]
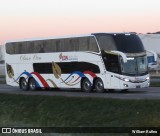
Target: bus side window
[(75, 43), (24, 48), (36, 47), (106, 43), (93, 45), (50, 46), (9, 48), (69, 44), (58, 46), (83, 44), (62, 46)]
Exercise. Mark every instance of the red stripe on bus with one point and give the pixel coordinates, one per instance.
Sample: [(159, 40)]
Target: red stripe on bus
[(90, 73), (45, 84)]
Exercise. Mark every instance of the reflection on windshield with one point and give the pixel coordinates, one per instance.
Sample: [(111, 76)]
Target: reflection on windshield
[(142, 64), (137, 65)]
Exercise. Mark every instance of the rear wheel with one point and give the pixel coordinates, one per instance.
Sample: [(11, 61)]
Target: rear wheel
[(23, 84), (86, 85), (32, 84), (99, 86)]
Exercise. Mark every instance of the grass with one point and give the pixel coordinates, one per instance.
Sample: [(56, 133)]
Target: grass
[(20, 110), (55, 111), (155, 84)]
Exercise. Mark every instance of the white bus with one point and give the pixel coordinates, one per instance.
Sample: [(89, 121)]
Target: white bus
[(96, 61)]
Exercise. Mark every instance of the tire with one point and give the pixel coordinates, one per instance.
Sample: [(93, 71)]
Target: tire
[(99, 86), (86, 85), (32, 84), (23, 84)]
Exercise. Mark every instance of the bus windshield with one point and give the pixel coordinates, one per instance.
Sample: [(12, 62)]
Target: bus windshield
[(134, 65), (126, 43)]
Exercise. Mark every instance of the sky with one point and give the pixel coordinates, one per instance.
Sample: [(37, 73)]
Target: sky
[(21, 19)]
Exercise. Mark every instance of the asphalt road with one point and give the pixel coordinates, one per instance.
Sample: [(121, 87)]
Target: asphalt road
[(143, 93)]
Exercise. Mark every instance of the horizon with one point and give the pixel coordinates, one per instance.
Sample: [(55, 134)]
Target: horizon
[(25, 19)]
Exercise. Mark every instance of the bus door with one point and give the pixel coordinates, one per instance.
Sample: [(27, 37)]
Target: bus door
[(113, 69)]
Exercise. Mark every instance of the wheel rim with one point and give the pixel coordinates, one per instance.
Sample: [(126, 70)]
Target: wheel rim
[(24, 84), (99, 85), (32, 85), (86, 85)]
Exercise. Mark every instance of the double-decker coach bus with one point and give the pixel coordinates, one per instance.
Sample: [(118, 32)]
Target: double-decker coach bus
[(96, 61)]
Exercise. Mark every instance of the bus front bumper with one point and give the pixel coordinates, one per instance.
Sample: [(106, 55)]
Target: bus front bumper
[(129, 85)]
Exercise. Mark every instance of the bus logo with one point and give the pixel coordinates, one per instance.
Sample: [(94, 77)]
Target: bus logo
[(63, 57), (68, 58)]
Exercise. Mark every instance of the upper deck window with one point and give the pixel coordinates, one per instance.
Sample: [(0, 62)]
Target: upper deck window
[(87, 43), (106, 42)]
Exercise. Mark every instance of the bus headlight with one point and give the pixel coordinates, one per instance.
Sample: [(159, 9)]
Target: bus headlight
[(125, 79), (148, 78)]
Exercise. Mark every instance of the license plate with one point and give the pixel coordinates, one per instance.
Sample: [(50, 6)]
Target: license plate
[(138, 86)]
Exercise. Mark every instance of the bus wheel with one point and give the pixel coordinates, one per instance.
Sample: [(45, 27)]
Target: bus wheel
[(32, 84), (86, 85), (23, 84), (99, 85)]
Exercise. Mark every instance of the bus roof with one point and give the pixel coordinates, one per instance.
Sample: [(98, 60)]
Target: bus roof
[(48, 38), (61, 37), (114, 33)]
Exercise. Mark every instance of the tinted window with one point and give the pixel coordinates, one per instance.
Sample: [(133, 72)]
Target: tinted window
[(53, 45), (50, 46), (66, 67), (128, 43), (106, 42), (9, 48), (112, 63)]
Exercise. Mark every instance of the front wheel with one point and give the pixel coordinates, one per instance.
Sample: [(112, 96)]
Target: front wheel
[(99, 86), (86, 85), (32, 84), (23, 84)]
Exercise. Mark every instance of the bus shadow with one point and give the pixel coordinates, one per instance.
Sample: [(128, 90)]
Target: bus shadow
[(94, 91), (126, 92)]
